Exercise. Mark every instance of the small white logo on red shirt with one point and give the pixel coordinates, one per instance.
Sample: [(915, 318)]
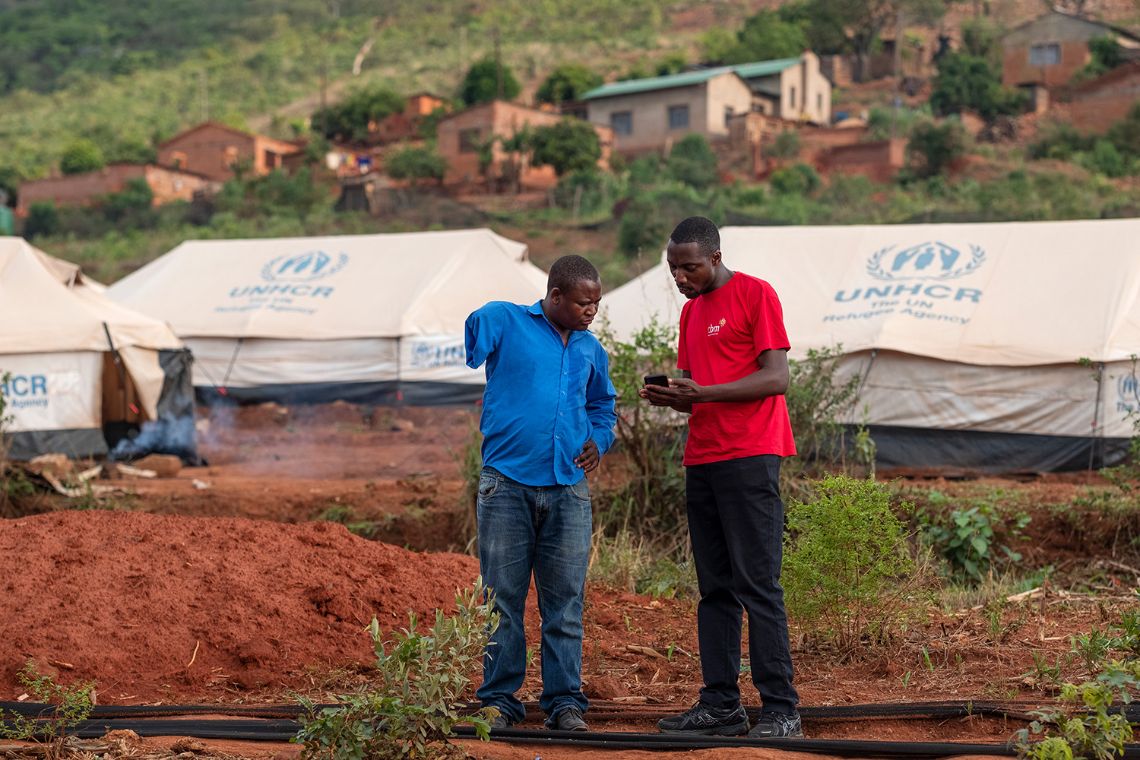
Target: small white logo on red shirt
[(715, 329)]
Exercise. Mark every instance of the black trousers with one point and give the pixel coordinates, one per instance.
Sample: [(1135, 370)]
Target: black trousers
[(736, 524)]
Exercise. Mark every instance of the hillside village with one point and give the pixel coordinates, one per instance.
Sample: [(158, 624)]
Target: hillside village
[(741, 129)]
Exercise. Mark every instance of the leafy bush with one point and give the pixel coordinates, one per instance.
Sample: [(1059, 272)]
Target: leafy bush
[(43, 219), (847, 574), (132, 206), (350, 118), (414, 702), (1106, 159), (586, 191), (416, 163), (1059, 140), (692, 162), (786, 145), (81, 156), (968, 537), (797, 179), (72, 706), (488, 80), (932, 148), (651, 215), (570, 145), (967, 82), (650, 503), (817, 401), (568, 82)]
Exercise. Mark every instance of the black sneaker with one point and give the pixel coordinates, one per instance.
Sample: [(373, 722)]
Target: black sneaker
[(706, 720), (499, 722), (568, 719), (774, 725)]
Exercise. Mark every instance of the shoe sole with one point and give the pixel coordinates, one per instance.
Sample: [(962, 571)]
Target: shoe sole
[(798, 735), (737, 729)]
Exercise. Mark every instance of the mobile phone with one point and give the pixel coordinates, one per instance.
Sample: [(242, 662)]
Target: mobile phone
[(657, 380)]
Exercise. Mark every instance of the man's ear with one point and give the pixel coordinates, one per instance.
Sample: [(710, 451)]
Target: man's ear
[(555, 295), (714, 259)]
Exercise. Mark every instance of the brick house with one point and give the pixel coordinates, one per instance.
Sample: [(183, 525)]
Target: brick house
[(405, 124), (1097, 105), (212, 149), (651, 113), (1051, 48), (83, 189), (460, 136)]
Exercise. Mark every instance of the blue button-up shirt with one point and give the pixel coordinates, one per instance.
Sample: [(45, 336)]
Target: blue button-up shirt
[(543, 400)]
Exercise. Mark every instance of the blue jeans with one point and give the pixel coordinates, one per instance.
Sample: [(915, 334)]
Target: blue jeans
[(544, 529)]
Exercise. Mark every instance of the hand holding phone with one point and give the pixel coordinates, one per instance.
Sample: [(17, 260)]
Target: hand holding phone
[(657, 380)]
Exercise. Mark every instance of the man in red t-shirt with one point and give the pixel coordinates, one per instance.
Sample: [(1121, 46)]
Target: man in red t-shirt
[(733, 351)]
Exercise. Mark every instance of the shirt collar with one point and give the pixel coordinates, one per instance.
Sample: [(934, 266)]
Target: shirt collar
[(536, 308)]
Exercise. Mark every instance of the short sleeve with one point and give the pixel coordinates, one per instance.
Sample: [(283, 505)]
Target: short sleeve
[(768, 330), (682, 352), (481, 335)]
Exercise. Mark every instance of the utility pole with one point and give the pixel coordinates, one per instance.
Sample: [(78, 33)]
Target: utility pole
[(498, 65), (204, 94)]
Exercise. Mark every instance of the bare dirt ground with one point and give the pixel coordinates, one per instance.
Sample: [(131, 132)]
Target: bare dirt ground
[(220, 586)]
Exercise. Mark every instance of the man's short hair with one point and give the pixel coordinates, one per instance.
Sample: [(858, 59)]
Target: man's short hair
[(568, 271), (699, 230)]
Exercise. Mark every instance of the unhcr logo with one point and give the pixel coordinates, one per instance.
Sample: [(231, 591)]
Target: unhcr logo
[(303, 267), (932, 260), (1128, 386)]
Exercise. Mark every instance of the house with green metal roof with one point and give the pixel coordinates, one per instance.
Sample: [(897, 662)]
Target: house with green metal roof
[(650, 113)]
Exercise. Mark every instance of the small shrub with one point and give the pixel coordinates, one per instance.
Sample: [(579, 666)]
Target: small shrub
[(416, 163), (847, 573), (570, 145), (797, 179), (932, 148), (72, 706), (650, 503), (966, 538), (692, 162), (414, 702), (786, 145)]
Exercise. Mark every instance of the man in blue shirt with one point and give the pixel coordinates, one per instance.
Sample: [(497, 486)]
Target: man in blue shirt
[(548, 417)]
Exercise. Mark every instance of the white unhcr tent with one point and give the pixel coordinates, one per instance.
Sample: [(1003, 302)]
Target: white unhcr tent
[(366, 318), (969, 339), (82, 372)]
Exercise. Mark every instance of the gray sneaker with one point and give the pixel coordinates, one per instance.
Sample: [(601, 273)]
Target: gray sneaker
[(774, 725), (706, 720)]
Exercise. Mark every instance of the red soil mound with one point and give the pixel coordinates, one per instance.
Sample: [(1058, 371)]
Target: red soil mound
[(152, 607)]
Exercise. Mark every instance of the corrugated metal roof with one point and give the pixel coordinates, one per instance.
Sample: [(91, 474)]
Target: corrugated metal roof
[(689, 78)]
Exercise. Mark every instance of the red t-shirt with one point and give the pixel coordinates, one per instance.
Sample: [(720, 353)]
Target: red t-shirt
[(722, 335)]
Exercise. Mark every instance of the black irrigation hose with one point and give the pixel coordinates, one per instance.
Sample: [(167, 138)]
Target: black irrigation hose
[(269, 723), (283, 730), (940, 710)]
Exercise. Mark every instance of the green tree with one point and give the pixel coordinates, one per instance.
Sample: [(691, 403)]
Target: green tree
[(692, 162), (932, 148), (766, 36), (1106, 55), (349, 119), (488, 80), (969, 82), (568, 146), (673, 63), (81, 156), (416, 163), (981, 38), (567, 82), (1125, 134), (797, 179), (134, 204), (43, 219)]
